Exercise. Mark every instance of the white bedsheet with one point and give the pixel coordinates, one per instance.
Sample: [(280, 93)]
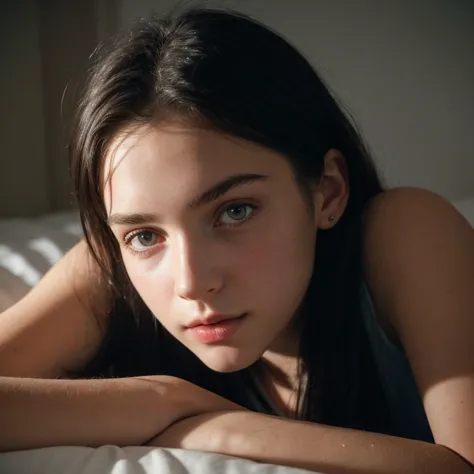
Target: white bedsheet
[(131, 460)]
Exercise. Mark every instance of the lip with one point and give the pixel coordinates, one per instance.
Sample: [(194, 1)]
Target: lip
[(208, 332), (212, 318)]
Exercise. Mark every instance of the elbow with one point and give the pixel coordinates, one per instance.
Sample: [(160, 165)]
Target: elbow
[(458, 463)]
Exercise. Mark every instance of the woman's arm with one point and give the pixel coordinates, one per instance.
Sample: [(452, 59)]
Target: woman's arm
[(59, 325), (304, 445), (129, 411)]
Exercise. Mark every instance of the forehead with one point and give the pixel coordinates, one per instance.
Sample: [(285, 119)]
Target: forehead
[(172, 162)]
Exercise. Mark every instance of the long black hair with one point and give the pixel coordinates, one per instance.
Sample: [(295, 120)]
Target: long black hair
[(228, 72)]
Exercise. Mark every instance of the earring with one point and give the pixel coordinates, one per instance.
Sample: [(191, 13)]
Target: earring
[(331, 218)]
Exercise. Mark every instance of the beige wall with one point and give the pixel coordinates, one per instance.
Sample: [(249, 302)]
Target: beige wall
[(404, 69), (45, 49), (22, 144)]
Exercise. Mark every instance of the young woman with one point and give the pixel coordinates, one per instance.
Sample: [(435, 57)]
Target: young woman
[(247, 286)]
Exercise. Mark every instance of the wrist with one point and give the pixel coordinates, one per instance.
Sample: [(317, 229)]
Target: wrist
[(192, 400), (163, 401)]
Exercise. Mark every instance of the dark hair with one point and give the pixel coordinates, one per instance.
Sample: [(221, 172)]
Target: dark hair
[(226, 71)]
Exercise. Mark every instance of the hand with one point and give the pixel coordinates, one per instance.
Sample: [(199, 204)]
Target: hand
[(188, 404)]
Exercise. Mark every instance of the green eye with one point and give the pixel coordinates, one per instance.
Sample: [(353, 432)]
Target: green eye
[(143, 239), (236, 214)]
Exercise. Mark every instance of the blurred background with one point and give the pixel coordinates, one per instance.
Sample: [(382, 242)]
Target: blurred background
[(404, 69)]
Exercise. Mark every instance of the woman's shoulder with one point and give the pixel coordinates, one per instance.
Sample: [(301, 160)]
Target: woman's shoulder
[(401, 205), (418, 258), (405, 231), (402, 220)]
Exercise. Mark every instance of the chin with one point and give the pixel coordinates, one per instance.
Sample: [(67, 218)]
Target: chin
[(227, 359)]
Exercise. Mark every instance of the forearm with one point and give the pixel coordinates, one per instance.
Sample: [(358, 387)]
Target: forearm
[(128, 411), (316, 447)]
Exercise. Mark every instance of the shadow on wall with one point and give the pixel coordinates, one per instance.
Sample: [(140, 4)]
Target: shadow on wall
[(48, 45), (405, 71)]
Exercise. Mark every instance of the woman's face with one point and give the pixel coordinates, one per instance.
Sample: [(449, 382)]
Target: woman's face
[(212, 230)]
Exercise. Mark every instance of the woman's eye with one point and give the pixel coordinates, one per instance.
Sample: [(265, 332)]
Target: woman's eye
[(143, 239), (236, 214)]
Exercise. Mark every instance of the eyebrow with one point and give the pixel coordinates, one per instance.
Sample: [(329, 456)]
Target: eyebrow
[(212, 194)]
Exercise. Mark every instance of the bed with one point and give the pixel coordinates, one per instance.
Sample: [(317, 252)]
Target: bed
[(131, 460)]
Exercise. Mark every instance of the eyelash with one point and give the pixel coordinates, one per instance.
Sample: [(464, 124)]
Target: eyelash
[(226, 207), (127, 242)]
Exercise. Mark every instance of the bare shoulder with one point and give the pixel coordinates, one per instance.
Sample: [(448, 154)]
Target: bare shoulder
[(408, 233), (59, 324), (411, 207), (418, 259)]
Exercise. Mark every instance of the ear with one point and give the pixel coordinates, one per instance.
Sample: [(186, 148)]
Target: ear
[(332, 192)]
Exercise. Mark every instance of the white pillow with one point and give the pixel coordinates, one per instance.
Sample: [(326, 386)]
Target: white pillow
[(131, 460), (30, 247)]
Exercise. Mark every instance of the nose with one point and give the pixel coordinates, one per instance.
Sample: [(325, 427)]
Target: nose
[(195, 269)]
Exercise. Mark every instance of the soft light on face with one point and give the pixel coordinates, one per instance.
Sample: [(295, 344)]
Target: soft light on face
[(211, 225)]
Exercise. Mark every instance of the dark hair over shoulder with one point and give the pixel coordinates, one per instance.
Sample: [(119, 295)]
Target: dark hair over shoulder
[(226, 71)]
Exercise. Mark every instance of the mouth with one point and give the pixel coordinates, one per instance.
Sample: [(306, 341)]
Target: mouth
[(212, 319), (222, 329)]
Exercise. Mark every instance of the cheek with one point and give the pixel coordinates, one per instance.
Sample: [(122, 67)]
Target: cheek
[(154, 287), (286, 253)]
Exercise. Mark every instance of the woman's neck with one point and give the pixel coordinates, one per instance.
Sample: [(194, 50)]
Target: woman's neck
[(281, 372), (280, 379), (282, 358)]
